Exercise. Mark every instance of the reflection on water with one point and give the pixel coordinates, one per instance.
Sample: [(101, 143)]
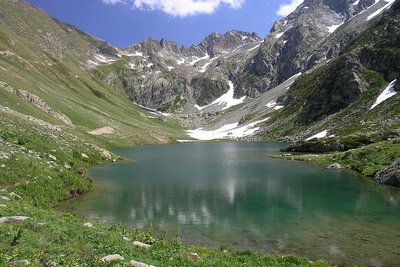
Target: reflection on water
[(234, 194)]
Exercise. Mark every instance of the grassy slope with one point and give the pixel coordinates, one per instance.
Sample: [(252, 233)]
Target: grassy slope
[(47, 59)]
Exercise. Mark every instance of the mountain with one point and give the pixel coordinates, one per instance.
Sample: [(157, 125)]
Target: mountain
[(162, 76), (48, 70)]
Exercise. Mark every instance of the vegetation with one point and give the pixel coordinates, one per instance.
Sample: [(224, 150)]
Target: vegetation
[(366, 159)]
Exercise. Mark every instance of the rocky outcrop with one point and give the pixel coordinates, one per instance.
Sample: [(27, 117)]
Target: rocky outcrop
[(302, 41), (37, 101), (390, 175), (340, 87), (316, 147)]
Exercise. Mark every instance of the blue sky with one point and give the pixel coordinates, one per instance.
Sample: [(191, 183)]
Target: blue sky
[(125, 22)]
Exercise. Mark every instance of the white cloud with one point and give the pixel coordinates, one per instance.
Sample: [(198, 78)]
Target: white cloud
[(112, 2), (286, 9), (180, 8)]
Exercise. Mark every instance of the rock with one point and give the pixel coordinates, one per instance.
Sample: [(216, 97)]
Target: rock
[(334, 166), (141, 244), (53, 158), (105, 154), (126, 238), (114, 257), (67, 166), (15, 195), (84, 156), (3, 206), (13, 219), (19, 263), (194, 256), (390, 175), (4, 198), (2, 166), (139, 264), (88, 225)]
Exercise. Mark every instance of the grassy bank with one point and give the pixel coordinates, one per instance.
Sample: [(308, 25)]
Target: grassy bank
[(366, 159)]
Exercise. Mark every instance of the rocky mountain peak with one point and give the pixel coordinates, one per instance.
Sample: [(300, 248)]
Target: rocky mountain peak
[(216, 43)]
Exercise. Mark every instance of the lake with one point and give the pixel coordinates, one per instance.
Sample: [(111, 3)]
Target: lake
[(235, 195)]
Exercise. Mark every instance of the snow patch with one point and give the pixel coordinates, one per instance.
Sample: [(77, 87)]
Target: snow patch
[(356, 3), (278, 107), (379, 11), (226, 100), (170, 67), (333, 28), (386, 94), (271, 104), (197, 59), (244, 37), (251, 49), (322, 134), (152, 110), (136, 54), (279, 35), (131, 66), (228, 131), (150, 65), (180, 61), (103, 59)]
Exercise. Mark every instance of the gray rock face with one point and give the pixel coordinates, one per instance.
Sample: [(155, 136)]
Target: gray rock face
[(390, 175), (299, 42), (166, 77)]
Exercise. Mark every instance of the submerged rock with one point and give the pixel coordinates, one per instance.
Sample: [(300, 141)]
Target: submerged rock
[(390, 175)]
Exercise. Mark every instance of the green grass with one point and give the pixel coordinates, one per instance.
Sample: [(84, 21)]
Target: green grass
[(366, 159)]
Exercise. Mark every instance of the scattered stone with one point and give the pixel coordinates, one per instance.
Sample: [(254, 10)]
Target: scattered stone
[(126, 238), (4, 198), (114, 257), (15, 195), (13, 219), (53, 158), (19, 263), (334, 166), (105, 154), (88, 225), (390, 175), (67, 166), (139, 264), (2, 166), (84, 156), (194, 257), (141, 244), (3, 206)]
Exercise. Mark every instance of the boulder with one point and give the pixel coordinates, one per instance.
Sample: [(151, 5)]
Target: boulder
[(114, 257), (88, 225), (390, 175), (84, 156), (19, 263), (334, 166), (141, 244), (52, 158), (139, 264)]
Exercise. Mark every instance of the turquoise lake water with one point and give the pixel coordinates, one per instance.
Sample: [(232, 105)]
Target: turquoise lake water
[(234, 195)]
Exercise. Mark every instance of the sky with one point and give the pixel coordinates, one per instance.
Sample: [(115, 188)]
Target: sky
[(126, 22)]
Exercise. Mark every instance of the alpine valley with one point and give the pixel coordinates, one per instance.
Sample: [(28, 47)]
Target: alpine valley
[(326, 78)]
